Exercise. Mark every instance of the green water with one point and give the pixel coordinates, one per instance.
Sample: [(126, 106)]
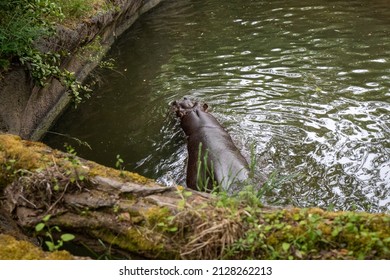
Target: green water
[(307, 82)]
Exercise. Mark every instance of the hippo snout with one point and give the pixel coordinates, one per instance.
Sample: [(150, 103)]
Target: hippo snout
[(185, 106)]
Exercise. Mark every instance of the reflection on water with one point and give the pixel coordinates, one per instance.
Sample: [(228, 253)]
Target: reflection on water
[(307, 82)]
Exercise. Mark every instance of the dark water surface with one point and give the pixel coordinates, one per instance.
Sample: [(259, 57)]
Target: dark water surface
[(307, 82)]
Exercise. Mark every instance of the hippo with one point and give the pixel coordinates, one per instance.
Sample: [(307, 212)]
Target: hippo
[(213, 159)]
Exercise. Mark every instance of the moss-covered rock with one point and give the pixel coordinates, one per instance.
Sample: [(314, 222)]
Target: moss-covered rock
[(17, 155), (12, 249), (317, 234), (137, 216)]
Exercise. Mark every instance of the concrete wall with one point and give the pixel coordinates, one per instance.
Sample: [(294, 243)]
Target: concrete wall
[(28, 110)]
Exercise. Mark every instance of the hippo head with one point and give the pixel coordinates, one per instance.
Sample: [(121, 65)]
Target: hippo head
[(185, 106)]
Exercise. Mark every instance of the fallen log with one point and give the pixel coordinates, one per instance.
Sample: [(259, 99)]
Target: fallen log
[(133, 216)]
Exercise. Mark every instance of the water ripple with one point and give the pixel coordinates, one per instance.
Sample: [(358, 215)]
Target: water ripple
[(307, 82)]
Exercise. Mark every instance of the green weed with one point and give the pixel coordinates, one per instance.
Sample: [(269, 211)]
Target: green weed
[(52, 244), (205, 172)]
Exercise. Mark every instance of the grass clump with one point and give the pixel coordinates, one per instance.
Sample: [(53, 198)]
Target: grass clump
[(22, 22), (75, 10)]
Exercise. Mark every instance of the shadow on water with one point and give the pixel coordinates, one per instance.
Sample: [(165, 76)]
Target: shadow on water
[(307, 82)]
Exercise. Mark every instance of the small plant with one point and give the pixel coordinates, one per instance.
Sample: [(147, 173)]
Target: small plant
[(72, 154), (76, 174), (119, 162), (10, 169), (107, 64), (43, 66), (52, 244), (74, 87), (10, 164), (184, 196), (93, 52), (167, 226)]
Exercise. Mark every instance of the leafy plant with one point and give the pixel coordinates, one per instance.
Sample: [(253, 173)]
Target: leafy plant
[(52, 244), (119, 162), (184, 196), (75, 173), (167, 226), (72, 154), (107, 64)]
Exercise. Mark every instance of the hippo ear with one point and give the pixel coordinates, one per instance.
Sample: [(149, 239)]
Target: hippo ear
[(205, 107)]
